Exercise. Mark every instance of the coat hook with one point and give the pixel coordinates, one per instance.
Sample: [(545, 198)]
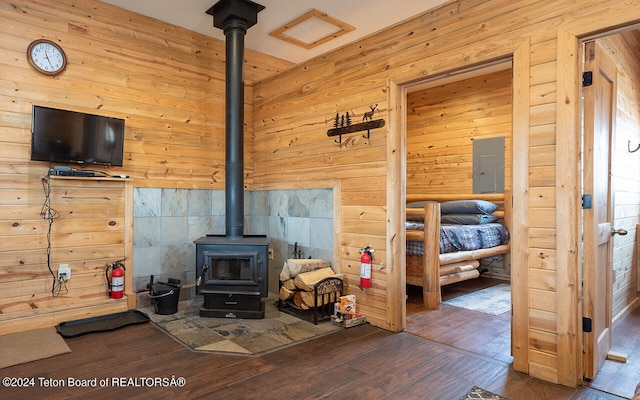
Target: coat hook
[(629, 147)]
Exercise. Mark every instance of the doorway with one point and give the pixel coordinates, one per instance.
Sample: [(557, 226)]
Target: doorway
[(446, 117)]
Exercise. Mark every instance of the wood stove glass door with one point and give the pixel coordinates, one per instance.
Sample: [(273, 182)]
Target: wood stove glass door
[(232, 268)]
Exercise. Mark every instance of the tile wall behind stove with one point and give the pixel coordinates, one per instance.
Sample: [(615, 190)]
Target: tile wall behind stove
[(167, 221)]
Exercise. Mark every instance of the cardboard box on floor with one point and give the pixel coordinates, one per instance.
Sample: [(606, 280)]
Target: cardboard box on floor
[(347, 304), (345, 312)]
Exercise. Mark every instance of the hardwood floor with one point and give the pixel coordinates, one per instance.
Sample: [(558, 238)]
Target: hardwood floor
[(489, 335), (361, 362), (479, 333), (616, 377)]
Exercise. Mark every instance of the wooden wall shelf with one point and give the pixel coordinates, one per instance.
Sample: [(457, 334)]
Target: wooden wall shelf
[(89, 178)]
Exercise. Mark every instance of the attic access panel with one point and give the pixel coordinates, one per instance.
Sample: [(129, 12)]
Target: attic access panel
[(488, 165), (312, 29)]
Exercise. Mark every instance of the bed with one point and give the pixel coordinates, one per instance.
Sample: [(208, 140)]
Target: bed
[(441, 254)]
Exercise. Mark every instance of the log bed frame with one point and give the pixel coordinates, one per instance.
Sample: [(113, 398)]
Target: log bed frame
[(434, 270)]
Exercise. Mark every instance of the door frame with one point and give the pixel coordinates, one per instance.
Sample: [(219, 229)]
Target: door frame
[(568, 209), (396, 195)]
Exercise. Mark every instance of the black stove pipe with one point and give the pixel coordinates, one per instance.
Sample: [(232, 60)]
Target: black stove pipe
[(234, 17), (234, 31)]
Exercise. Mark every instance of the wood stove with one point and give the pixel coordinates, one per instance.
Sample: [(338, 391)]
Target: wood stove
[(232, 276), (232, 269)]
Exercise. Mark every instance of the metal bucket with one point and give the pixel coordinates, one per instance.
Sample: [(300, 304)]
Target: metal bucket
[(165, 296)]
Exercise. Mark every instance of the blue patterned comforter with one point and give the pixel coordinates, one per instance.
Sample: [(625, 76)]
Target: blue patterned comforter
[(461, 237)]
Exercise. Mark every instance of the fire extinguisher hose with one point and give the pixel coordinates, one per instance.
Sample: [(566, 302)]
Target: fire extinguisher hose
[(106, 274)]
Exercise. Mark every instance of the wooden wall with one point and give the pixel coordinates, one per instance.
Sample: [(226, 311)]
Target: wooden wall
[(542, 341), (166, 82), (442, 123), (293, 111)]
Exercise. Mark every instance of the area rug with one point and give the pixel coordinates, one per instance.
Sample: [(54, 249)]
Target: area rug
[(19, 348), (249, 337), (477, 393), (493, 300)]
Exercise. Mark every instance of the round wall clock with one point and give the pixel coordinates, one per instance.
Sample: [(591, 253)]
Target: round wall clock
[(46, 57)]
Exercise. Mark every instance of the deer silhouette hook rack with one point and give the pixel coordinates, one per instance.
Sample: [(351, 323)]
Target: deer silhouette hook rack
[(342, 124)]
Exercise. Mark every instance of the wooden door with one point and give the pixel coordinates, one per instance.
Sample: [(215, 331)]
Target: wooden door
[(599, 116)]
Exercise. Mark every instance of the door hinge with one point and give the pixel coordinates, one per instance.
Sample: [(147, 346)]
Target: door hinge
[(587, 201), (587, 324), (587, 78)]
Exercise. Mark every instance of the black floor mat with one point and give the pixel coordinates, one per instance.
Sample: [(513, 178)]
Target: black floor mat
[(102, 323)]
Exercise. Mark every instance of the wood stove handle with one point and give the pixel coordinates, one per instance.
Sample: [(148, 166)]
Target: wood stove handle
[(205, 267)]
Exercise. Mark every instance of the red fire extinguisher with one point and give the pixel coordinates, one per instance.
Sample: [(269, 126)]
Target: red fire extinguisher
[(365, 267), (116, 282)]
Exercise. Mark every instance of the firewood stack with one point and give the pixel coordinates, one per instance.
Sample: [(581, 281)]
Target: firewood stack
[(298, 279)]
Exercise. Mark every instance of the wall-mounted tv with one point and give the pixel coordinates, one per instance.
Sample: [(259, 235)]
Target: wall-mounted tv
[(76, 138)]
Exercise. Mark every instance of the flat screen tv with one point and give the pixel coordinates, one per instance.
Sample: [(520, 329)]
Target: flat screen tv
[(76, 138)]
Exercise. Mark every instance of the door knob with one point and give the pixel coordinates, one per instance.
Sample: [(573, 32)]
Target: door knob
[(620, 232)]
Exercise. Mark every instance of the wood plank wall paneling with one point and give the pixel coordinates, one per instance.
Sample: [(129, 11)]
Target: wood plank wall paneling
[(87, 228), (442, 123), (165, 81), (293, 110), (543, 344)]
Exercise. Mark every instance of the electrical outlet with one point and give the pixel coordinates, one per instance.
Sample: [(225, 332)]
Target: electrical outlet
[(270, 254), (64, 272)]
